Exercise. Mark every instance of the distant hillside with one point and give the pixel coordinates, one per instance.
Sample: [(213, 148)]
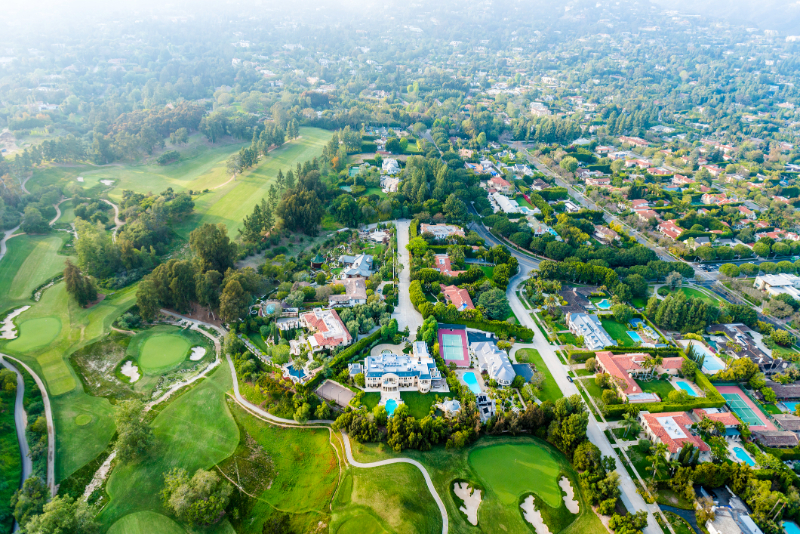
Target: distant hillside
[(781, 15)]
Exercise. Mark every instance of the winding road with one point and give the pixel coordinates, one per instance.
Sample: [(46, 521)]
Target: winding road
[(117, 221), (58, 210), (291, 422), (21, 422), (48, 414)]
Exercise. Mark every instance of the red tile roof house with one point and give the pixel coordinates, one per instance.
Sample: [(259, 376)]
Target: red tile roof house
[(624, 367), (673, 429), (458, 297), (442, 264), (501, 185), (639, 204), (726, 418), (646, 215), (329, 329), (680, 179), (747, 213), (670, 228)]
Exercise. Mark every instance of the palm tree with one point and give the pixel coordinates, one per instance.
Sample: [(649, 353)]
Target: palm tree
[(658, 457), (657, 361), (629, 423)]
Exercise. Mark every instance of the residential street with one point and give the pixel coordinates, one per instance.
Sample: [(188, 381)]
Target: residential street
[(632, 500), (405, 313)]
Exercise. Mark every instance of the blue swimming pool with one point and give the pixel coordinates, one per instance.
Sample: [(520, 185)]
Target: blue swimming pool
[(295, 372), (472, 382), (792, 406), (791, 528), (744, 457), (391, 405), (711, 362), (604, 304), (634, 336), (686, 387)]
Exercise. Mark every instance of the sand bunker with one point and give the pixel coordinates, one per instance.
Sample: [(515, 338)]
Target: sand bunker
[(8, 330), (471, 498), (197, 353), (131, 371), (569, 498), (107, 182), (533, 516), (80, 178)]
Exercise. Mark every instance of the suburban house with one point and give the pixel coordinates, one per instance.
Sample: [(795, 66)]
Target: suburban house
[(605, 235), (539, 185), (646, 215), (317, 261), (465, 153), (390, 166), (354, 266), (598, 181), (441, 262), (493, 362), (787, 421), (328, 329), (680, 179), (673, 429), (775, 284), (389, 184), (625, 367), (589, 326), (503, 203), (726, 418), (777, 439), (747, 213), (392, 372), (486, 406), (355, 293), (710, 199), (458, 297), (639, 204), (441, 231), (670, 229), (501, 185)]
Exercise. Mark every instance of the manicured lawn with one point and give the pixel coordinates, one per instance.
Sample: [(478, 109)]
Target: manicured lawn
[(375, 191), (592, 387), (697, 294), (145, 522), (583, 372), (618, 331), (196, 430), (419, 404), (258, 341), (771, 408), (639, 302), (550, 389), (568, 338), (371, 399), (162, 350), (661, 388), (679, 524), (488, 270)]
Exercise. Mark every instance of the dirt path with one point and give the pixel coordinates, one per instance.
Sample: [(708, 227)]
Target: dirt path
[(51, 433), (21, 422), (117, 220)]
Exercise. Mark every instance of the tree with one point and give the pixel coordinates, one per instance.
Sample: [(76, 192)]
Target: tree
[(133, 433), (569, 164), (33, 222), (301, 211), (200, 500), (212, 245), (233, 302), (622, 313), (303, 413), (769, 395), (81, 287), (494, 304), (674, 280), (782, 337), (730, 270), (29, 500), (63, 515), (762, 250), (455, 210), (630, 424)]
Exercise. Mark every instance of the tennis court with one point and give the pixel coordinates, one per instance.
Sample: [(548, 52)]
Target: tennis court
[(744, 407), (453, 346)]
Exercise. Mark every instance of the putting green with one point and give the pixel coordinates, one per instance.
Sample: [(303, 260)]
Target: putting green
[(361, 523), (35, 333), (511, 471), (83, 419), (145, 523), (161, 351)]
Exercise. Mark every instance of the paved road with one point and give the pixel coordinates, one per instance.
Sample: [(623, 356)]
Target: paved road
[(633, 501), (405, 313), (391, 461), (58, 210), (21, 422), (117, 221), (51, 433)]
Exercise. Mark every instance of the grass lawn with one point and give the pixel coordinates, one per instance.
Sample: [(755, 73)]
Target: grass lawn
[(419, 404), (371, 399), (196, 430), (618, 331), (10, 459), (697, 294), (568, 338), (258, 341), (375, 191), (771, 408), (583, 372), (659, 387), (488, 270), (506, 470), (679, 524), (550, 389), (639, 302), (592, 387)]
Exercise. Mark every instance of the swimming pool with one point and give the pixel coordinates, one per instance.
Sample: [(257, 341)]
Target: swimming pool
[(391, 405), (470, 380), (295, 372), (790, 528), (634, 336), (792, 406), (603, 304), (744, 457), (711, 362), (686, 387)]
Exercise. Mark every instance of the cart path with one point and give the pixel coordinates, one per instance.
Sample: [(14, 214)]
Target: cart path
[(291, 422), (118, 223), (21, 422), (48, 413), (58, 210), (8, 234)]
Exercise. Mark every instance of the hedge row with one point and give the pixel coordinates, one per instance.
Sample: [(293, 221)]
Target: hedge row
[(343, 357)]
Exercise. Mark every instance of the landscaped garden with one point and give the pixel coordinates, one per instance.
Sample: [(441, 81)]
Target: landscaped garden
[(550, 390), (618, 331)]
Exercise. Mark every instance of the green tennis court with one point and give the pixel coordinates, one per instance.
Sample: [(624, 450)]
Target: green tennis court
[(452, 348), (745, 413)]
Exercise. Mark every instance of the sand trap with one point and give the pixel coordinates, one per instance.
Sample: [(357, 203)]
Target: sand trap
[(533, 516), (471, 498), (569, 498), (107, 182), (8, 330), (80, 178), (197, 353), (131, 371)]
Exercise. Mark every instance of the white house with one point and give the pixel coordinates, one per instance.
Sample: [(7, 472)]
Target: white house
[(494, 361), (390, 166), (775, 284), (389, 372), (355, 293), (589, 326)]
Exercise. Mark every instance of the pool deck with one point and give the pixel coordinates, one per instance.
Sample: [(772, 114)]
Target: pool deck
[(697, 391), (732, 455), (477, 374)]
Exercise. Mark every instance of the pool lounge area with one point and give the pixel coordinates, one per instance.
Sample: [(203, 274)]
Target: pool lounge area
[(711, 362), (604, 304), (685, 386), (790, 406), (742, 456)]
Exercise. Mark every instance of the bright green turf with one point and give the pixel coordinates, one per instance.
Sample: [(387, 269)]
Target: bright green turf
[(694, 293), (510, 469), (162, 351), (145, 523), (662, 388), (618, 331), (29, 262), (34, 333), (194, 431), (419, 404), (83, 419), (550, 390)]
